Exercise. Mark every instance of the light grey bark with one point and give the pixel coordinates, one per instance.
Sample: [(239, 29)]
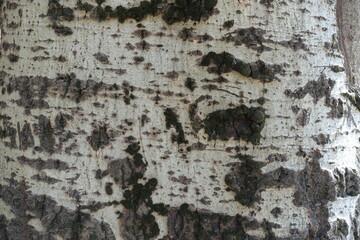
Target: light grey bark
[(179, 120)]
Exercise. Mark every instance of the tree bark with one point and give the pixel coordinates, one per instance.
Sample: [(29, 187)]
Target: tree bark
[(198, 119)]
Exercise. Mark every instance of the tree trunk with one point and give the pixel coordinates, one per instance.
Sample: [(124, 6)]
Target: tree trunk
[(197, 119)]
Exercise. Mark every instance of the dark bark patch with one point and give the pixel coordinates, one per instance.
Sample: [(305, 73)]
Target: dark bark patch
[(26, 138), (56, 219), (61, 30), (143, 45), (141, 33), (127, 171), (316, 89), (196, 121), (3, 225), (37, 48), (187, 223), (261, 100), (277, 157), (238, 123), (296, 43), (280, 177), (10, 46), (267, 3), (355, 222), (133, 148), (337, 108), (138, 226), (96, 206), (121, 13), (247, 180), (197, 146), (252, 38), (321, 139), (128, 92), (138, 194), (46, 134), (315, 189), (61, 58), (171, 120), (190, 83), (56, 11), (99, 2), (182, 11), (61, 121), (172, 75), (7, 131), (119, 71), (99, 138), (40, 58), (268, 229), (303, 118), (337, 69), (347, 182), (355, 100), (84, 6), (13, 25), (41, 164), (108, 188), (13, 58), (182, 179), (276, 212), (101, 57), (228, 24), (11, 5), (44, 178), (3, 75), (138, 59), (178, 11), (100, 13), (225, 62), (3, 105), (315, 184), (137, 221), (186, 34), (32, 91), (295, 109), (341, 228), (138, 13)]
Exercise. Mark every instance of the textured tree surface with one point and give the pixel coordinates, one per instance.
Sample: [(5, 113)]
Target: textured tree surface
[(184, 119)]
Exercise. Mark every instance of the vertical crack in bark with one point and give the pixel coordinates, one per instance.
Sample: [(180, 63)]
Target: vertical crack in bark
[(340, 22), (348, 36)]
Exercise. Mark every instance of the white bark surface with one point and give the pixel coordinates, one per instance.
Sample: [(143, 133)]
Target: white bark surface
[(157, 82)]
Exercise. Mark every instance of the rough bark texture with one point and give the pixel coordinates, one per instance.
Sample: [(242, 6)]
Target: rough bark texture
[(185, 119)]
